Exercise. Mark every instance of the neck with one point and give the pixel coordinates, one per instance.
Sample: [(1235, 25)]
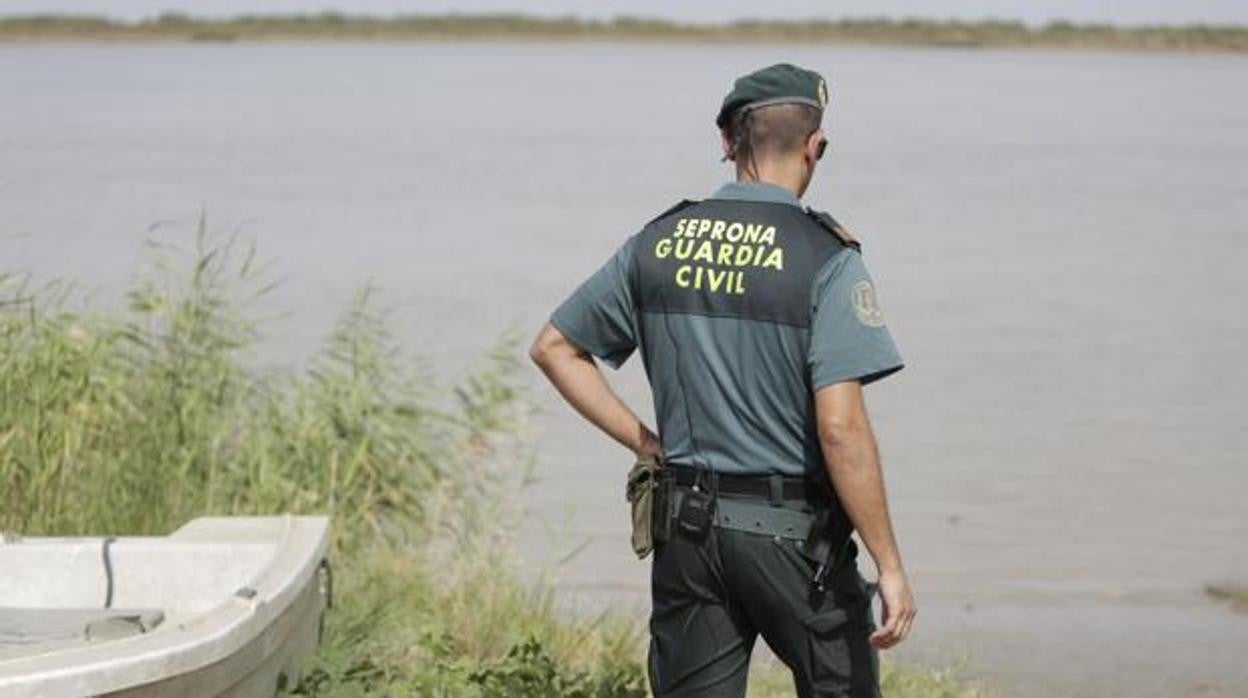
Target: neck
[(787, 175)]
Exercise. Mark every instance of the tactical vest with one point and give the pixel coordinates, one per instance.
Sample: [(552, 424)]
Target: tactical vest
[(754, 260)]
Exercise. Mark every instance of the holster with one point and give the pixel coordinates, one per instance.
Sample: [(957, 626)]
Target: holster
[(828, 543), (649, 493)]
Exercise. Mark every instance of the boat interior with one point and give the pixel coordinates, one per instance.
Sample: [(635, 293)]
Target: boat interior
[(61, 592)]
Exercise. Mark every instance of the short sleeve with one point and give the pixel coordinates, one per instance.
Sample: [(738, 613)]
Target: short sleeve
[(600, 316), (848, 337)]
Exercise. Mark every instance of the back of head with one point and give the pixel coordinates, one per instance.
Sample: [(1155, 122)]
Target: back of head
[(768, 119), (769, 133)]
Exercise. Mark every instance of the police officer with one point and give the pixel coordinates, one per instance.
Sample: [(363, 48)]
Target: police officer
[(758, 326)]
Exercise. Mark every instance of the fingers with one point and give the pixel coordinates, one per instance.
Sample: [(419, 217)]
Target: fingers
[(888, 634), (894, 631), (898, 618), (882, 638), (909, 622), (650, 445), (904, 622)]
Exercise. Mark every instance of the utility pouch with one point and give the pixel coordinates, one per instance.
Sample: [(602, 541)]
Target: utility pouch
[(643, 484), (664, 494), (697, 513)]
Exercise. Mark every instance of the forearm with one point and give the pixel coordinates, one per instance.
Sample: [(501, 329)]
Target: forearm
[(853, 464), (579, 380)]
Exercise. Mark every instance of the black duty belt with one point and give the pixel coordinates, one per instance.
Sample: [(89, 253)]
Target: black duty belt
[(768, 487), (757, 517)]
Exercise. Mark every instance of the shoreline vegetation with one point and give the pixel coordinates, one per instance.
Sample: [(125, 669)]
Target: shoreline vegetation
[(1234, 595), (134, 421), (333, 26)]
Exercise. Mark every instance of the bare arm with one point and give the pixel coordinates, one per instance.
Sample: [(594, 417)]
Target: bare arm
[(853, 463), (575, 375)]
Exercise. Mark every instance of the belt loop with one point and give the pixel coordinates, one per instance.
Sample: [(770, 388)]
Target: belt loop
[(775, 487)]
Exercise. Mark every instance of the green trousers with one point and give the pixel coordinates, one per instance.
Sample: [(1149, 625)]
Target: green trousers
[(712, 599)]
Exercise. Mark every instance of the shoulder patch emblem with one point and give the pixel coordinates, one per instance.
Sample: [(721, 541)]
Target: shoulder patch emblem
[(865, 305)]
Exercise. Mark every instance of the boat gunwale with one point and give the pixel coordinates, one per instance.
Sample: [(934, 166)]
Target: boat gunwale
[(195, 643)]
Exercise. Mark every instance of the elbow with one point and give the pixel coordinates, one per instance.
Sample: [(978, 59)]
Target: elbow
[(548, 347), (539, 352), (841, 431)]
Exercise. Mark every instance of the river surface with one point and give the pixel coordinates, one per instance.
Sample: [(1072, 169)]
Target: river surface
[(1059, 242)]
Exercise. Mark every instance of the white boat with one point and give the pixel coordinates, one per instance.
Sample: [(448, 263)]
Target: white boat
[(222, 607)]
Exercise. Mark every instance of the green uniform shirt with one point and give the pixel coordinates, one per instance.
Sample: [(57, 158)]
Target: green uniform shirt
[(731, 392)]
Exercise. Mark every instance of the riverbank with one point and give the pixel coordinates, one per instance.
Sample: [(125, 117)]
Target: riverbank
[(1234, 595), (135, 421), (872, 31)]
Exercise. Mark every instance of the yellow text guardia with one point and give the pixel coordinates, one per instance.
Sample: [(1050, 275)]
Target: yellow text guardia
[(719, 251)]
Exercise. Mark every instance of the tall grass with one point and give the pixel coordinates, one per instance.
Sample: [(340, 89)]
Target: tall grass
[(135, 421)]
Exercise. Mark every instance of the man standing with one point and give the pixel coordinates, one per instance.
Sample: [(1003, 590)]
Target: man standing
[(758, 327)]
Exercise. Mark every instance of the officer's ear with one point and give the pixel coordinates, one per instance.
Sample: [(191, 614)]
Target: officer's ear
[(816, 144), (726, 143)]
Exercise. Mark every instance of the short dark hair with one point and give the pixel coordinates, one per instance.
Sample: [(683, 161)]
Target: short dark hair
[(770, 131)]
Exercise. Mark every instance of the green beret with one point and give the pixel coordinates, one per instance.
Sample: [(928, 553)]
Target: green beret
[(782, 83)]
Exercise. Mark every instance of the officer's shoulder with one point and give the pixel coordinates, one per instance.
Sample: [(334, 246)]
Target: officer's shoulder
[(830, 224), (675, 208)]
